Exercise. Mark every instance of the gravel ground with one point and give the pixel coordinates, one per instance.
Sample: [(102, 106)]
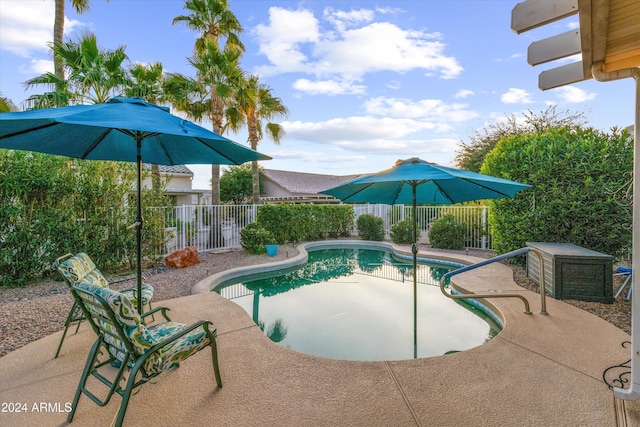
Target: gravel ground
[(33, 312)]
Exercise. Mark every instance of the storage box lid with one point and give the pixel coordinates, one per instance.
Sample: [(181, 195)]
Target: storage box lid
[(566, 249)]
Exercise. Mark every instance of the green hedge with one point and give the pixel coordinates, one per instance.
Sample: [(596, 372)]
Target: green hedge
[(293, 223), (579, 177), (51, 205)]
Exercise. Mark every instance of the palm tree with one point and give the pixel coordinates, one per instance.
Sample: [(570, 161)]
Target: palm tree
[(95, 75), (81, 6), (6, 105), (146, 82), (255, 104), (214, 21), (206, 96)]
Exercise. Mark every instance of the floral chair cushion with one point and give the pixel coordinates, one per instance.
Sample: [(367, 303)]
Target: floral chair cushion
[(142, 337), (80, 268)]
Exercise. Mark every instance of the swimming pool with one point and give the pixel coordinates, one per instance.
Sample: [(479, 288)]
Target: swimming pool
[(357, 304)]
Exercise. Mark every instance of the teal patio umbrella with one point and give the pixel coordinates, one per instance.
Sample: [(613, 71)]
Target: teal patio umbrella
[(414, 181), (123, 129)]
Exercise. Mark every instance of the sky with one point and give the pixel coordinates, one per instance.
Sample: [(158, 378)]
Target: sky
[(366, 82)]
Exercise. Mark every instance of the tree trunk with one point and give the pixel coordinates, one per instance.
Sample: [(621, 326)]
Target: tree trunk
[(58, 33), (215, 184), (256, 182), (252, 126)]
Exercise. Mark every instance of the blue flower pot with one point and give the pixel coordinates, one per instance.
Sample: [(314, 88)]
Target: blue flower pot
[(272, 250)]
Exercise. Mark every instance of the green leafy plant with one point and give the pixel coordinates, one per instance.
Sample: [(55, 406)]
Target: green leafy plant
[(370, 227), (447, 233), (254, 238), (579, 179), (292, 223), (402, 232)]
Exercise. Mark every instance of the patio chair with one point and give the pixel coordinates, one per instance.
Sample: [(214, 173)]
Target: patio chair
[(624, 271), (143, 351), (77, 268)]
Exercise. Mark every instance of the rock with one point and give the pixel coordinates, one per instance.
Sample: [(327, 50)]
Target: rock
[(182, 258)]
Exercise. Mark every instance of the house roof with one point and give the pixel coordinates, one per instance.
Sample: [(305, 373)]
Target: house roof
[(175, 169), (305, 183)]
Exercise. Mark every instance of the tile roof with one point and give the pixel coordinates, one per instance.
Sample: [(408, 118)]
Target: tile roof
[(181, 169), (305, 183)]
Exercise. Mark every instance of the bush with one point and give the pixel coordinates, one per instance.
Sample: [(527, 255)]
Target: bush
[(292, 223), (446, 233), (370, 227), (254, 237), (402, 232), (52, 205), (578, 178)]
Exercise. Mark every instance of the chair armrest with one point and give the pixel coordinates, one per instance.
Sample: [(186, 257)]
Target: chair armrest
[(204, 323), (155, 310)]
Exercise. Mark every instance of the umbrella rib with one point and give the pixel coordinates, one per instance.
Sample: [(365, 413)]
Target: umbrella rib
[(95, 143), (22, 132), (217, 151), (485, 187)]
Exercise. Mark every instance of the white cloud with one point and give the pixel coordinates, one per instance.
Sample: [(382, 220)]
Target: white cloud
[(281, 40), (371, 134), (342, 20), (572, 94), (328, 87), (26, 27), (317, 157), (516, 96), (424, 109), (296, 41), (464, 93), (394, 84), (40, 66)]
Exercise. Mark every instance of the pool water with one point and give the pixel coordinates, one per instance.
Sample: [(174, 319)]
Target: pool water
[(357, 304)]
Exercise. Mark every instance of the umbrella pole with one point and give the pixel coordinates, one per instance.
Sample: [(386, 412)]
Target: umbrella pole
[(138, 224), (414, 250)]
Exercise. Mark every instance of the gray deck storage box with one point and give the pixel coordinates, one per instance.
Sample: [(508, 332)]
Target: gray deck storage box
[(572, 272)]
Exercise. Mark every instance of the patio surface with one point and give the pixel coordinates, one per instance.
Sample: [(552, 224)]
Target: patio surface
[(540, 370)]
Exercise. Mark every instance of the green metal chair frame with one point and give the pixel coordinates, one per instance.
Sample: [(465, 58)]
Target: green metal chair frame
[(121, 348), (76, 314)]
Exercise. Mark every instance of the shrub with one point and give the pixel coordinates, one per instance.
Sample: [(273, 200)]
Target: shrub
[(446, 233), (370, 227), (402, 232), (292, 223), (254, 237), (578, 177)]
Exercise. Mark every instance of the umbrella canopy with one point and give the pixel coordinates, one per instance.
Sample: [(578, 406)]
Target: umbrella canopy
[(123, 129), (110, 131), (414, 181), (434, 184)]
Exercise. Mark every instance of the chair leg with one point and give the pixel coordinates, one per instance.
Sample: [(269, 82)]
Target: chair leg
[(214, 354), (621, 288), (67, 323), (126, 393), (93, 354)]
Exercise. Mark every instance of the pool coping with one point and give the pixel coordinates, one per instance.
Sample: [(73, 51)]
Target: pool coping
[(540, 370), (210, 283)]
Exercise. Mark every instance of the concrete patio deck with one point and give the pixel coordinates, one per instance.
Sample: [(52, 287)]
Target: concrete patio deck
[(540, 370)]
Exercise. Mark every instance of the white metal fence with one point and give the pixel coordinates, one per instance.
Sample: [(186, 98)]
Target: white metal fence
[(214, 227), (475, 219)]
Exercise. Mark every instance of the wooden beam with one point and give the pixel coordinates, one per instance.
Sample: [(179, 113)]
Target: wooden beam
[(560, 76), (531, 14), (552, 48)]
